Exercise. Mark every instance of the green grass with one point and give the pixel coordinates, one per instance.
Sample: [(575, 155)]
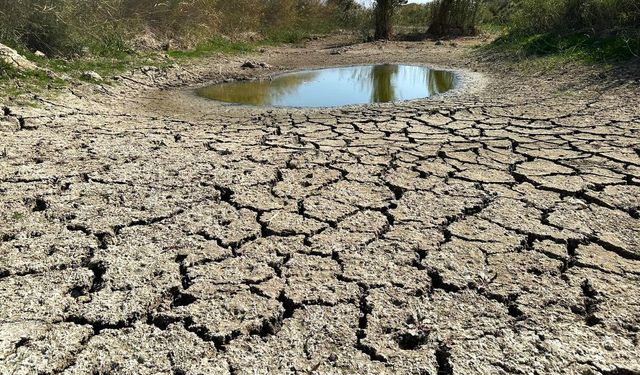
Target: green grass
[(214, 46), (298, 33), (105, 66), (7, 71), (54, 72), (578, 47), (14, 82)]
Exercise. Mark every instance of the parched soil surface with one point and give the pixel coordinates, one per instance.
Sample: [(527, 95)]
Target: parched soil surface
[(494, 230)]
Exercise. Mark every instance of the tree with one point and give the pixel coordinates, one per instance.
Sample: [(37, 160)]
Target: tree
[(383, 12)]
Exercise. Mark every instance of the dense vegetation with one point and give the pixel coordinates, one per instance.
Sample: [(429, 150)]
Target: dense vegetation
[(454, 17), (587, 29), (76, 27)]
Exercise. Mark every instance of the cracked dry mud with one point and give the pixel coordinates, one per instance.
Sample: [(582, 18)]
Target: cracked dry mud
[(495, 230)]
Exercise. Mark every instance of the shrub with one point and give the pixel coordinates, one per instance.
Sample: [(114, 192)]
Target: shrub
[(413, 15), (567, 16), (454, 17), (592, 30)]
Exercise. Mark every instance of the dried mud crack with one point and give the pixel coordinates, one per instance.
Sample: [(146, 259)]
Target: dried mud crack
[(493, 230)]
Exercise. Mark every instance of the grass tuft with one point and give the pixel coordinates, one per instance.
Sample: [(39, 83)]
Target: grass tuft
[(214, 46)]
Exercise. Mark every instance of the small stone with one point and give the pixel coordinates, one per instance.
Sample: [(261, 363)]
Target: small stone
[(10, 124), (170, 45), (91, 75), (249, 64), (40, 54), (255, 65), (439, 43)]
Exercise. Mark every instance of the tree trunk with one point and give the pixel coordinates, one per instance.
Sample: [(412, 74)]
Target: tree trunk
[(383, 19)]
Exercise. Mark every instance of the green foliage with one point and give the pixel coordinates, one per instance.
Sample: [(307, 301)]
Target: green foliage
[(14, 82), (413, 15), (570, 16), (495, 12), (454, 17)]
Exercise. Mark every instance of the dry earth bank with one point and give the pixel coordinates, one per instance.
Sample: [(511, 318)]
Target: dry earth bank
[(494, 230)]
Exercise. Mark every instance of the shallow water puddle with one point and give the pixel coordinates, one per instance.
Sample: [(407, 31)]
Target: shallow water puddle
[(335, 87)]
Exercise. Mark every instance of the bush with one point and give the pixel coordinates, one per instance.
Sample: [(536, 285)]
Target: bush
[(592, 30), (413, 15), (569, 16), (454, 17), (36, 26)]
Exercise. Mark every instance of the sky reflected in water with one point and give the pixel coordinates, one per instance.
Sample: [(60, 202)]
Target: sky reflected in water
[(335, 87)]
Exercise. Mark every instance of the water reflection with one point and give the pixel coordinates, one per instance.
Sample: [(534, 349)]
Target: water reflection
[(336, 87), (439, 81), (382, 79), (259, 92)]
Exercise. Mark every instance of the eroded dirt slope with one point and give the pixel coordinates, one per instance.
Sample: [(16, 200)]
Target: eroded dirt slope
[(493, 231)]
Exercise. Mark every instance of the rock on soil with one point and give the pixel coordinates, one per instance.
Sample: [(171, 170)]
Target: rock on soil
[(91, 75), (255, 65), (13, 58)]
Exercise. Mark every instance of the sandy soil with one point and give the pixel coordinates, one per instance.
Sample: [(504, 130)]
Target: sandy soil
[(494, 230)]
